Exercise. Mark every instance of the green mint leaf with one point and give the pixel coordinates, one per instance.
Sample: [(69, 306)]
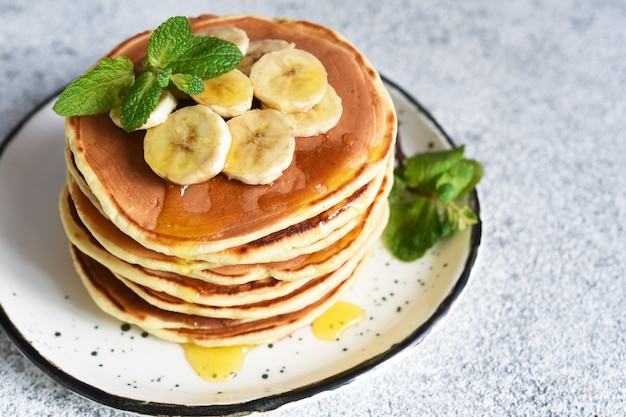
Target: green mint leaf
[(479, 171), (421, 170), (449, 221), (169, 41), (453, 182), (97, 91), (175, 58), (422, 201), (413, 228), (142, 97), (163, 78), (398, 190), (189, 84), (207, 57)]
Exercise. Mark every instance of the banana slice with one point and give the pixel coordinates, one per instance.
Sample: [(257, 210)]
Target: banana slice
[(262, 146), (290, 80), (166, 105), (190, 147), (258, 48), (320, 118), (229, 33), (229, 94)]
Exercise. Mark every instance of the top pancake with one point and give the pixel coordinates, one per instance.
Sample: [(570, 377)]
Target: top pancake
[(223, 213)]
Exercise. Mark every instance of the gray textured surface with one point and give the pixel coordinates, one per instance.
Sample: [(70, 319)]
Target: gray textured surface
[(536, 91)]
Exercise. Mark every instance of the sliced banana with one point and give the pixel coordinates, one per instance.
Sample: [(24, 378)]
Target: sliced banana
[(258, 48), (229, 33), (229, 94), (290, 80), (320, 118), (263, 144), (190, 147), (166, 105)]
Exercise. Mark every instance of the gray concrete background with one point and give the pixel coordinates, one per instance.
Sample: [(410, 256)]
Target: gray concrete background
[(537, 92)]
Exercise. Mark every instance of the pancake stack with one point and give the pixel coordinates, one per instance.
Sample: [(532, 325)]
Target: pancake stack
[(222, 262)]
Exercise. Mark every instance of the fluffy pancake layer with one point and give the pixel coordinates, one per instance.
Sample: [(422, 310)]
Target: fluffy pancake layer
[(269, 284), (222, 262), (113, 297)]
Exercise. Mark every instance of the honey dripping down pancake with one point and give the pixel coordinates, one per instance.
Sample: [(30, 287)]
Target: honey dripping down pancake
[(236, 258), (282, 245), (270, 284)]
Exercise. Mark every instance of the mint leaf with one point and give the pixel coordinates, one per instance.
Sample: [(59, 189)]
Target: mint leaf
[(398, 190), (141, 98), (175, 58), (478, 173), (97, 91), (207, 57), (190, 84), (168, 41), (421, 169), (449, 221), (413, 228), (451, 183), (425, 198), (163, 78)]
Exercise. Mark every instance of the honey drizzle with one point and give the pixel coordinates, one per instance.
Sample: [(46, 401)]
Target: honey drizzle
[(216, 364), (335, 321), (175, 219), (172, 210)]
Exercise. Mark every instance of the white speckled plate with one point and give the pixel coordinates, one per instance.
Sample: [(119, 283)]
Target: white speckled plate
[(50, 317)]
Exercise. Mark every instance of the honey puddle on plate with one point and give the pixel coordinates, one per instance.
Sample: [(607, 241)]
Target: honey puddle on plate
[(219, 364), (336, 320), (216, 364)]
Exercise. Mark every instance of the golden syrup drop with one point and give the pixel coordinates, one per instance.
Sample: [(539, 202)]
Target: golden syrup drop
[(169, 218), (348, 139), (215, 364), (336, 320)]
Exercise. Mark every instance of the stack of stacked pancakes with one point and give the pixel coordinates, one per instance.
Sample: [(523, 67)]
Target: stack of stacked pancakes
[(222, 262)]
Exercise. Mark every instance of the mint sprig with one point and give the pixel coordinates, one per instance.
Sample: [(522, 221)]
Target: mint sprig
[(427, 201), (174, 59)]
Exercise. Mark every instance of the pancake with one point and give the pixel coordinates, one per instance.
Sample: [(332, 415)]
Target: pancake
[(116, 299), (326, 169), (233, 292), (298, 298), (223, 262), (73, 176), (298, 268), (309, 236)]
